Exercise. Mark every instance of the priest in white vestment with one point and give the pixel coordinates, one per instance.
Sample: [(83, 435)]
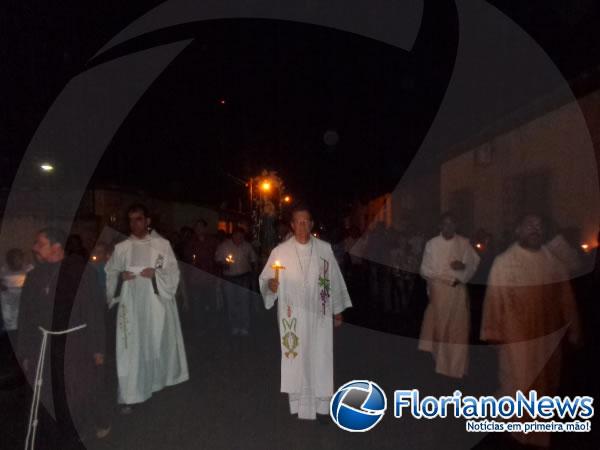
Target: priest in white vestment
[(449, 262), (528, 310), (311, 295), (142, 277)]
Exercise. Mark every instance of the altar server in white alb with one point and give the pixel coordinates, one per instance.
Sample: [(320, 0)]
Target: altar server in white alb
[(142, 277), (311, 295), (449, 262)]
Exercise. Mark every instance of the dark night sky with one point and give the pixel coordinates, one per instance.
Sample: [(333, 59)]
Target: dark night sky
[(285, 84)]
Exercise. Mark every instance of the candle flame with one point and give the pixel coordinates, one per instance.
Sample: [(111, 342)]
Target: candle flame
[(277, 265)]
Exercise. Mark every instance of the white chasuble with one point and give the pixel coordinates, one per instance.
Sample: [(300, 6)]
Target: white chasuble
[(311, 290)]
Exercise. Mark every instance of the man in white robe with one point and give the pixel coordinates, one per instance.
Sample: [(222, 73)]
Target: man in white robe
[(448, 264), (528, 311), (142, 278), (311, 295)]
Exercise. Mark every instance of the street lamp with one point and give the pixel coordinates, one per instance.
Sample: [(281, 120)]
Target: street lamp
[(265, 186)]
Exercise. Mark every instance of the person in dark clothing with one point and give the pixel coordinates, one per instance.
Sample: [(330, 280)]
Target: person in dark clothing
[(62, 292), (74, 246), (483, 244), (185, 235), (200, 274)]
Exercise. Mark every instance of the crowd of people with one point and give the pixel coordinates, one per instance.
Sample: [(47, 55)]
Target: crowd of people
[(526, 300), (449, 291)]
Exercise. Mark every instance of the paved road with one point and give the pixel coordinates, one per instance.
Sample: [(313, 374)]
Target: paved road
[(232, 399)]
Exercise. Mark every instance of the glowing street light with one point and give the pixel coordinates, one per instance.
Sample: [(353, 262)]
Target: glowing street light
[(47, 167), (266, 186)]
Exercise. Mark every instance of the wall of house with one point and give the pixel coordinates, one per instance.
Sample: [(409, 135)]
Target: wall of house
[(101, 216), (111, 206), (415, 201), (549, 163)]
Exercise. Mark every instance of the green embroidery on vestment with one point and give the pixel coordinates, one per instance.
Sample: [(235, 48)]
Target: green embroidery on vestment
[(290, 339)]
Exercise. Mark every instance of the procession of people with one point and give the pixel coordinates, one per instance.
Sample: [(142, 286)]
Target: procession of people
[(129, 297)]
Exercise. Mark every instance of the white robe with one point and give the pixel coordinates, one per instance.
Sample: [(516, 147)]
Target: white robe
[(447, 321), (528, 308), (150, 351), (305, 321)]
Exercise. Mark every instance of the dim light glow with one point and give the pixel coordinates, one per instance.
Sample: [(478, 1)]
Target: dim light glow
[(287, 199), (277, 267), (229, 259), (94, 258), (585, 247), (479, 246), (47, 167), (265, 186)]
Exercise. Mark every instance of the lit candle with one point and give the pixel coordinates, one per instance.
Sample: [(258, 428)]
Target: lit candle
[(277, 267)]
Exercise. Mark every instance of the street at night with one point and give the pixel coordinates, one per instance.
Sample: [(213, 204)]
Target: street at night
[(255, 225)]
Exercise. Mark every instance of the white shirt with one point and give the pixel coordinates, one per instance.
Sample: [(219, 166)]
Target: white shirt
[(304, 253)]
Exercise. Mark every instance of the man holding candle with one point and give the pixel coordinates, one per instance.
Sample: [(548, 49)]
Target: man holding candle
[(238, 259), (303, 275)]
